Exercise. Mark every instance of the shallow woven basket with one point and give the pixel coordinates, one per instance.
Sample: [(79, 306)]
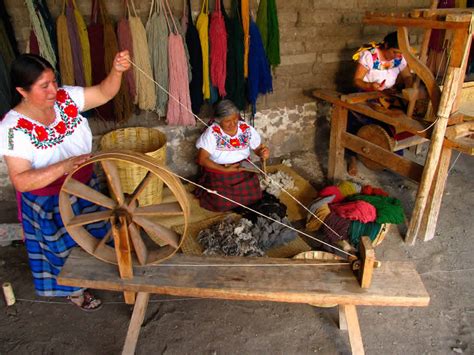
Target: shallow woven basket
[(149, 141)]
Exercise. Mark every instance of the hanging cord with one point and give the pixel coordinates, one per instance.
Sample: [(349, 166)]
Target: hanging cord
[(252, 163), (454, 163)]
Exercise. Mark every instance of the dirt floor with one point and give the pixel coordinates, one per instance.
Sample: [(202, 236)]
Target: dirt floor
[(200, 326)]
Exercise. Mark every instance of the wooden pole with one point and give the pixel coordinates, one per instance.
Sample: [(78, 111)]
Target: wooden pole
[(336, 147)]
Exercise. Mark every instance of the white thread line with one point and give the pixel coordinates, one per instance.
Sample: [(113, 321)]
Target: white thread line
[(264, 173), (237, 203), (253, 265)]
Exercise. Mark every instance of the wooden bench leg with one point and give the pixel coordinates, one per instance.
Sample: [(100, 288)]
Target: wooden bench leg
[(348, 315), (336, 164), (136, 321)]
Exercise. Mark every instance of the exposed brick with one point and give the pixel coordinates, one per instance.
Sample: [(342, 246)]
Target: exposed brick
[(291, 48), (334, 4), (285, 71), (318, 17)]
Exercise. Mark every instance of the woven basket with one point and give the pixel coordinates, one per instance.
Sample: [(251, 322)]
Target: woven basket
[(149, 141)]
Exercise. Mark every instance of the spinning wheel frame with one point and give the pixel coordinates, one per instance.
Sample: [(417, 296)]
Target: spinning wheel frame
[(122, 210)]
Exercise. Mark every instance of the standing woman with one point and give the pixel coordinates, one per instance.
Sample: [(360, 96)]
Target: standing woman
[(221, 148), (43, 138)]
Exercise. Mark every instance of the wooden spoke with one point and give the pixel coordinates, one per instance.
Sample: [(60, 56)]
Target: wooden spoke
[(158, 231), (141, 186), (138, 244), (85, 192), (163, 209), (103, 241), (111, 171), (88, 218)]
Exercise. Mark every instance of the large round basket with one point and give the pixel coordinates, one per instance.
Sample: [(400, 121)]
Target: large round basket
[(149, 141)]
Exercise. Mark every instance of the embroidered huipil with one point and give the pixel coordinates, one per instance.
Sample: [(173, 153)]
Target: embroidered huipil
[(69, 135), (226, 149), (379, 70)]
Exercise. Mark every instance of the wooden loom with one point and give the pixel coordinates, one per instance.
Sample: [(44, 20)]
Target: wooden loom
[(152, 266), (448, 132)]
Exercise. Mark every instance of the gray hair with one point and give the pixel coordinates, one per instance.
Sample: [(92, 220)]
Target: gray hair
[(223, 109)]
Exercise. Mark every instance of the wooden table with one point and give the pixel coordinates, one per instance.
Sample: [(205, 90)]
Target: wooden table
[(253, 279)]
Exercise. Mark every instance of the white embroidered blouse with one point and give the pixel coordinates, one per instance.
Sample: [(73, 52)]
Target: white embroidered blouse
[(225, 149), (69, 135), (379, 70)]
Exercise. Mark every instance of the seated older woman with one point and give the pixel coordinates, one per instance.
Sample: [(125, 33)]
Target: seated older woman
[(221, 148)]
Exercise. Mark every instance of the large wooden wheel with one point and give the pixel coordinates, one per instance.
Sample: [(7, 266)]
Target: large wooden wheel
[(375, 134), (138, 234)]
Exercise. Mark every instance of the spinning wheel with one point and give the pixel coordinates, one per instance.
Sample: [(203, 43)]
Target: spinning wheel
[(136, 229), (375, 134)]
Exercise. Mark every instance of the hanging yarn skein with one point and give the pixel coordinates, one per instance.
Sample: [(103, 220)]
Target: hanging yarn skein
[(202, 25), (146, 95), (179, 113), (76, 49), (157, 35), (245, 13), (66, 65), (218, 44), (84, 44), (125, 42), (195, 60), (41, 33), (235, 81), (259, 75), (122, 101)]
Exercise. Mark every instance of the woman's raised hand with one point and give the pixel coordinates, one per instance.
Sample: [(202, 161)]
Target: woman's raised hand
[(74, 162), (122, 61)]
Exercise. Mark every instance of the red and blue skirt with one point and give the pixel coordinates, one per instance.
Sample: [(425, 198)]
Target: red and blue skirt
[(242, 187), (48, 243)]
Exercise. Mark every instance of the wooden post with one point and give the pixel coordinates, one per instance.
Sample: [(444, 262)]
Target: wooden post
[(123, 252), (367, 255), (136, 322), (430, 217), (355, 337), (342, 318), (336, 164)]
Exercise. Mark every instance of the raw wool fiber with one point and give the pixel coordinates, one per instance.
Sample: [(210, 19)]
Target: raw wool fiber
[(230, 238), (85, 47), (157, 35), (274, 181), (218, 44), (122, 101), (42, 35), (64, 51), (125, 41), (146, 95), (272, 234)]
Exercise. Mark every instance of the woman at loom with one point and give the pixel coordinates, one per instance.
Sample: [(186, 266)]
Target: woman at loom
[(379, 67), (221, 149), (43, 138)]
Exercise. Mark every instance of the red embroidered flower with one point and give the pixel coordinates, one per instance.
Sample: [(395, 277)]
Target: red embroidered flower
[(71, 111), (60, 127), (235, 142), (216, 129), (41, 133), (25, 124), (243, 127), (61, 96)]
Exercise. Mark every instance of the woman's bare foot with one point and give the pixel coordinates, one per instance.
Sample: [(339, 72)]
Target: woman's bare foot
[(86, 301)]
